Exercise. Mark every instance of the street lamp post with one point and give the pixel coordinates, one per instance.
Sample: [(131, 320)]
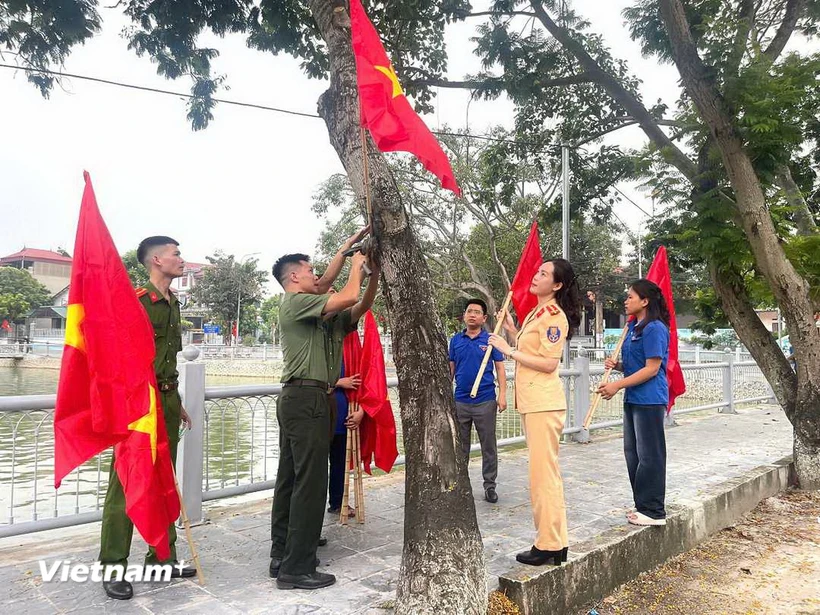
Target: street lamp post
[(239, 295)]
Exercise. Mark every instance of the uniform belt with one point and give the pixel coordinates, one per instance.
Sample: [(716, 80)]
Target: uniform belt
[(309, 382), (168, 386)]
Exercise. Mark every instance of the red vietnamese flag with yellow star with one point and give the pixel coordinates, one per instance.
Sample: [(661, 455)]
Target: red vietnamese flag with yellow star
[(107, 394), (385, 110)]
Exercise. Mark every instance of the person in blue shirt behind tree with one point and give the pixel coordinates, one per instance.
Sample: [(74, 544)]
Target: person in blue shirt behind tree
[(644, 356), (467, 350)]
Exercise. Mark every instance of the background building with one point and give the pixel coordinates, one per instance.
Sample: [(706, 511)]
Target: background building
[(51, 269)]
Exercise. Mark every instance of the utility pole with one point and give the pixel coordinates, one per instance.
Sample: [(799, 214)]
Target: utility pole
[(640, 256), (565, 220)]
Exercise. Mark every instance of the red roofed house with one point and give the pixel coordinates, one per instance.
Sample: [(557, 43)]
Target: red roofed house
[(51, 269)]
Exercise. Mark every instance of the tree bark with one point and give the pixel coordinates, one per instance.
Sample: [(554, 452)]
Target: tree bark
[(790, 289), (442, 568)]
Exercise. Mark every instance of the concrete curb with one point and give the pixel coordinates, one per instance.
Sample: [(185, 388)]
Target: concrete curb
[(600, 565)]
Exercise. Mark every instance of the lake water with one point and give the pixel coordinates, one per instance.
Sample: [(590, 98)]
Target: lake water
[(28, 381), (241, 438)]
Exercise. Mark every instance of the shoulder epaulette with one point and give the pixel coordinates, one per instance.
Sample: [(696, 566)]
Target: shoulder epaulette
[(554, 310), (141, 291)]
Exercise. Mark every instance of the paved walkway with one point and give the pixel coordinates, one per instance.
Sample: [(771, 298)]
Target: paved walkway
[(234, 546)]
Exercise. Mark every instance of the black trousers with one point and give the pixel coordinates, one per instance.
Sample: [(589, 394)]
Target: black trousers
[(301, 482), (645, 452)]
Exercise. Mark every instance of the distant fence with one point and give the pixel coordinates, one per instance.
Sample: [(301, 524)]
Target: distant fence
[(233, 446)]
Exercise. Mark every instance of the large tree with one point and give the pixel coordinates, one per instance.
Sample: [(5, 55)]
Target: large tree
[(227, 286), (19, 293)]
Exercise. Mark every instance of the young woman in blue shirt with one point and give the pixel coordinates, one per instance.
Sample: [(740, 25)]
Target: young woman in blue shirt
[(644, 355)]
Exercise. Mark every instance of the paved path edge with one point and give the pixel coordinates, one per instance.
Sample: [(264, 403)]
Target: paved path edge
[(598, 566)]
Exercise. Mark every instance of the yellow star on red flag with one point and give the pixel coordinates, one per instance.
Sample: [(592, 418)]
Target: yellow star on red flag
[(148, 423)]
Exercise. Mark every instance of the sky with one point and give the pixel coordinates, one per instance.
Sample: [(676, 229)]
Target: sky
[(244, 184)]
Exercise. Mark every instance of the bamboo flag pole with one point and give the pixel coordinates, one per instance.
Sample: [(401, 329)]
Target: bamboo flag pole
[(346, 497), (366, 170), (597, 398), (501, 316), (188, 537), (357, 475)]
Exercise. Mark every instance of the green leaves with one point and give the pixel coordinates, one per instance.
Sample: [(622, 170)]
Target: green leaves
[(19, 293), (43, 33)]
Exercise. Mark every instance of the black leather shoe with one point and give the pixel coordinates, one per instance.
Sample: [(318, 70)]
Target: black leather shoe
[(118, 590), (537, 557), (185, 573), (490, 495), (276, 563), (316, 580), (322, 541)]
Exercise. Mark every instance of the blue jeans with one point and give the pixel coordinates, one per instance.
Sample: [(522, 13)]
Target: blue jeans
[(645, 452)]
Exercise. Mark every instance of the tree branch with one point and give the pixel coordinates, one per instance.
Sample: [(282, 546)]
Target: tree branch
[(477, 84), (499, 14), (802, 215), (618, 92), (794, 9), (745, 21)]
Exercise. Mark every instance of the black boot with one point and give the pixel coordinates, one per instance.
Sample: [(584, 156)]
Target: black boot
[(118, 590), (316, 580), (537, 557), (276, 563)]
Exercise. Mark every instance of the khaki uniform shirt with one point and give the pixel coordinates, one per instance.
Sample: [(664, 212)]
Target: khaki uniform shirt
[(165, 318), (311, 346), (543, 333)]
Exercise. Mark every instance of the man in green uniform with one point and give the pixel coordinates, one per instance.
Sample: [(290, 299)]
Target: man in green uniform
[(160, 256), (313, 324)]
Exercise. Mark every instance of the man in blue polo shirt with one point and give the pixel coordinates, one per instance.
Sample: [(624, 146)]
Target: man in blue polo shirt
[(467, 350)]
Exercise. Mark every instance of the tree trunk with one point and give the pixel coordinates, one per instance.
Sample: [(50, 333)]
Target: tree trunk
[(790, 289), (599, 320), (731, 291), (442, 568)]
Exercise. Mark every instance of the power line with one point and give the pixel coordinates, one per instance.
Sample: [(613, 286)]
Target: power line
[(156, 90), (238, 103)]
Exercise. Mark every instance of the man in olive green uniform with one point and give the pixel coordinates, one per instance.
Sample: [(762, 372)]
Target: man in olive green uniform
[(313, 325), (161, 257)]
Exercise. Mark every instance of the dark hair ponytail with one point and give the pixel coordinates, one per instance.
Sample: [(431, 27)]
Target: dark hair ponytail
[(568, 296), (656, 308)]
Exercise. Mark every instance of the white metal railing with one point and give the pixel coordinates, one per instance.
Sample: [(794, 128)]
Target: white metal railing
[(233, 446)]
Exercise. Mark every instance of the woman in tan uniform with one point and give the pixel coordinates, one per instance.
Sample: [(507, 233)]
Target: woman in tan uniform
[(540, 400)]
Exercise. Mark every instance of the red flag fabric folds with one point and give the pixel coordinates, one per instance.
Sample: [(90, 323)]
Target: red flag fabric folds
[(378, 437), (107, 393), (385, 110), (531, 259), (660, 275)]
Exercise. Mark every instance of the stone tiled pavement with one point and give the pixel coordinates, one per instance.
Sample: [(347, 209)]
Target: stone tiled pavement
[(234, 545)]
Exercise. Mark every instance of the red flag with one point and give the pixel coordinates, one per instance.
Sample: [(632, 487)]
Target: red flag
[(660, 275), (5, 326), (523, 300), (384, 108), (352, 357), (107, 392), (379, 427)]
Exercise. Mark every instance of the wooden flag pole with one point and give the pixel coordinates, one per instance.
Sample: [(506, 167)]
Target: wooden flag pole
[(189, 538), (597, 397), (501, 316), (366, 171)]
